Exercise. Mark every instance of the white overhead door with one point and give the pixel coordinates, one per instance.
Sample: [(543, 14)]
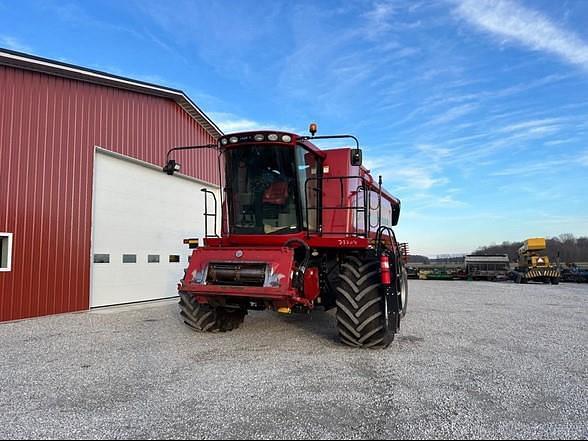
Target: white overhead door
[(141, 216)]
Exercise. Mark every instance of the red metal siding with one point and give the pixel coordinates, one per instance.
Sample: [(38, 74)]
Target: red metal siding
[(48, 129)]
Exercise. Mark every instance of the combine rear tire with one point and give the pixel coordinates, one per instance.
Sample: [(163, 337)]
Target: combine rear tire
[(361, 308), (206, 318)]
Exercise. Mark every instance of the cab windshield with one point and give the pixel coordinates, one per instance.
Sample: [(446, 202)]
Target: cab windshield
[(264, 184)]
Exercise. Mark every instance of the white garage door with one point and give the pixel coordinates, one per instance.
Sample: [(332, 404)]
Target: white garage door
[(141, 216)]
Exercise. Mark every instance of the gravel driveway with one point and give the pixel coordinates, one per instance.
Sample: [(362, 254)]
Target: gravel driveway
[(472, 360)]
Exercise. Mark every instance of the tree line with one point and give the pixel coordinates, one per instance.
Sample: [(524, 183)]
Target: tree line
[(566, 247)]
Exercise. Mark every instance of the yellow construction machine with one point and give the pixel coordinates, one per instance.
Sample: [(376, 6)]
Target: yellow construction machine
[(534, 264)]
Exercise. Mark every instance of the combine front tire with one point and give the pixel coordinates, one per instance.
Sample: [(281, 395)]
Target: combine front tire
[(206, 318), (361, 307)]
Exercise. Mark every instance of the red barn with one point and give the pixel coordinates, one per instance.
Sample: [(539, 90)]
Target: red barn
[(87, 218)]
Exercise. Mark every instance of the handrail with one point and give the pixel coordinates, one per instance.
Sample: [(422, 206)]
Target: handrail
[(391, 235), (207, 214), (365, 208)]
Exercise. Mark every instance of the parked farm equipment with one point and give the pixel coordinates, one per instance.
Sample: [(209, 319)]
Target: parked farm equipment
[(487, 267), (301, 228), (574, 274), (534, 265)]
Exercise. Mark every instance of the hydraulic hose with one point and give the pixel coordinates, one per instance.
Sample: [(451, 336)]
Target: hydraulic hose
[(306, 259)]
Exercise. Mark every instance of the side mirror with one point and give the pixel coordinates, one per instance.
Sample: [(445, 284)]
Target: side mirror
[(171, 167), (356, 157), (395, 214)]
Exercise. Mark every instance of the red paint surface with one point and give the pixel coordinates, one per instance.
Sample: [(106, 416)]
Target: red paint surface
[(48, 129), (312, 287), (281, 260)]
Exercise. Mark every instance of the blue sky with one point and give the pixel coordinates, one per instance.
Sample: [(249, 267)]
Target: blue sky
[(474, 111)]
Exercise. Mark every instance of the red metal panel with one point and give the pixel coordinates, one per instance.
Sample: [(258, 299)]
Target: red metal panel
[(279, 260), (48, 129)]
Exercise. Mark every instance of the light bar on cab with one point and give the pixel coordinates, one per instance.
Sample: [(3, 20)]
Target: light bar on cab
[(249, 138)]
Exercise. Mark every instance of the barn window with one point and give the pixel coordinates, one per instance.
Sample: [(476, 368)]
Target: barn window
[(153, 258), (5, 252), (129, 258), (101, 258), (174, 258)]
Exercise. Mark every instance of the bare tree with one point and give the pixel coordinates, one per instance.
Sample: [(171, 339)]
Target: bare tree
[(567, 238)]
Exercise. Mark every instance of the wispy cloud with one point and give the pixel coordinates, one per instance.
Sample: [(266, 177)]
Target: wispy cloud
[(10, 42), (233, 123), (433, 151), (453, 114), (512, 21), (464, 103), (411, 175), (450, 201), (533, 124), (229, 122), (553, 166), (427, 200), (378, 19), (420, 178), (507, 92), (561, 141), (75, 14)]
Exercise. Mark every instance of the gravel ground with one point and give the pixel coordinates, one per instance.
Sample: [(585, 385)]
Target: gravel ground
[(472, 360)]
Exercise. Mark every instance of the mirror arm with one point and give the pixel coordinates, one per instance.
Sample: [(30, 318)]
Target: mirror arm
[(172, 166), (192, 147), (312, 138)]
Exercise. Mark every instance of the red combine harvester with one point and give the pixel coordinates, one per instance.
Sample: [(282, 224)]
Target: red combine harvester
[(301, 228)]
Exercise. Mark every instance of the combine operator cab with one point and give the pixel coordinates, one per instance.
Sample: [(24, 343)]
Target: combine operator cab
[(300, 228)]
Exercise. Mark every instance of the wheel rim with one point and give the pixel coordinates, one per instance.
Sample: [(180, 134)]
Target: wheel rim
[(388, 314), (403, 293)]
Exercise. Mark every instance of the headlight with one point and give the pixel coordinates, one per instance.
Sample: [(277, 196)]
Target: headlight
[(272, 137)]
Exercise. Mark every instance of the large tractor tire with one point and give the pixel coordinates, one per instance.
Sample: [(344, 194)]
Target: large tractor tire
[(361, 305), (206, 318)]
